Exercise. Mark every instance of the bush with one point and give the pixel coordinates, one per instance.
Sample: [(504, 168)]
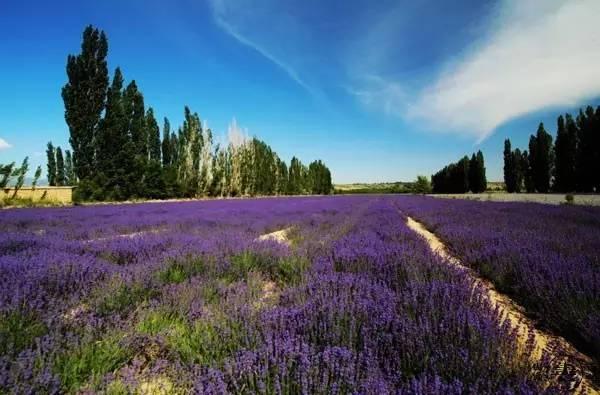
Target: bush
[(90, 361), (569, 198), (422, 185)]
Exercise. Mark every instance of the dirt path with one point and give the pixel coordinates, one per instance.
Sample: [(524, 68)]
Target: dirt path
[(280, 236), (569, 356)]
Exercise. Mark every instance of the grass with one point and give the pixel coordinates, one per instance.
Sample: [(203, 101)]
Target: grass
[(178, 272), (285, 270), (18, 330), (121, 297), (88, 363), (18, 202), (206, 341)]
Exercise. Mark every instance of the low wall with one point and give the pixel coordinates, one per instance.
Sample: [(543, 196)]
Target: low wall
[(53, 194)]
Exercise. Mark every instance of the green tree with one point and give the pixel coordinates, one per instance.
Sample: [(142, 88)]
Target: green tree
[(565, 154), (510, 173), (422, 185), (585, 150), (51, 160), (482, 172), (112, 135), (596, 150), (60, 167), (527, 173), (71, 179), (477, 178), (295, 177), (20, 174), (517, 170), (153, 131), (137, 145), (166, 144), (542, 161), (6, 172), (84, 97), (36, 177)]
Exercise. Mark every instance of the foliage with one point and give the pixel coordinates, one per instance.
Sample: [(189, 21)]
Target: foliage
[(90, 362), (188, 295), (84, 96), (51, 161), (422, 185), (114, 134), (456, 177), (572, 164)]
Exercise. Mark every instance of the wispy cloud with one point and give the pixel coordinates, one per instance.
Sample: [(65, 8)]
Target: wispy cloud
[(224, 15), (4, 145), (542, 54)]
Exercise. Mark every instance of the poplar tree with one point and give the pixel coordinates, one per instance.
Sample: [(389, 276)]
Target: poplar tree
[(481, 172), (69, 173), (36, 177), (166, 144), (542, 161), (51, 162), (60, 167), (566, 153), (20, 174), (517, 171), (527, 174), (295, 177), (509, 168), (112, 136), (585, 151), (84, 97), (6, 172), (153, 132)]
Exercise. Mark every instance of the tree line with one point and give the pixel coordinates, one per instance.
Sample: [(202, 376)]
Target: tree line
[(462, 176), (10, 171), (118, 152), (60, 168), (571, 164)]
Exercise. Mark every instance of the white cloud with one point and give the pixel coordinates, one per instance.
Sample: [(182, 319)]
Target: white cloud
[(541, 54), (228, 14), (4, 145)]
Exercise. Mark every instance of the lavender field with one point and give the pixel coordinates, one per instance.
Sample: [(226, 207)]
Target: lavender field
[(187, 297)]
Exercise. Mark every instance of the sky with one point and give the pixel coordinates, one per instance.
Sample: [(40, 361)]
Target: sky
[(380, 90)]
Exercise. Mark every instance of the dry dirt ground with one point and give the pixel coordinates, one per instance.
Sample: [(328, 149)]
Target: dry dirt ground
[(525, 328), (547, 198), (280, 236)]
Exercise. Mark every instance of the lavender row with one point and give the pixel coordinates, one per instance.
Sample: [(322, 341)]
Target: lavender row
[(97, 300), (546, 257)]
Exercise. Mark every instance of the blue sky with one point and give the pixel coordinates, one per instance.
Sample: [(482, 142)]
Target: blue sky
[(380, 90)]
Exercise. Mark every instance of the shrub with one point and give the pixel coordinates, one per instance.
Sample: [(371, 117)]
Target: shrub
[(88, 363), (18, 330)]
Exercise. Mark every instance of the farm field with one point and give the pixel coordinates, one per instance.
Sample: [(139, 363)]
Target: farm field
[(547, 198), (294, 295)]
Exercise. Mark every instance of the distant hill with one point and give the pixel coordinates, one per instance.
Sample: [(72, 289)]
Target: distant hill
[(379, 187)]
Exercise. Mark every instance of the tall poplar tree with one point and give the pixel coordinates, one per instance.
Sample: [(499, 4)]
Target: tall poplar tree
[(60, 167), (527, 173), (112, 135), (71, 179), (84, 97), (509, 168), (166, 144), (153, 133), (51, 161), (542, 161), (565, 154), (585, 151)]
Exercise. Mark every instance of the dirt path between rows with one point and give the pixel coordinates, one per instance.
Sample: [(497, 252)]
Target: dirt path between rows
[(280, 236), (569, 356)]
